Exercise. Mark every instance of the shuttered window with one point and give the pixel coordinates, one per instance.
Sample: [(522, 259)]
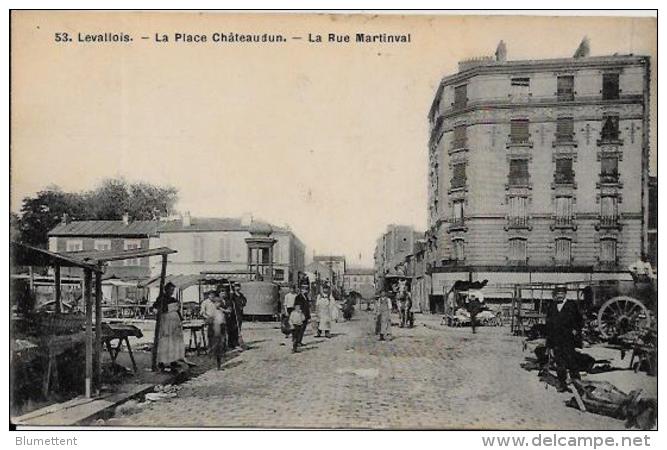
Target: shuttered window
[(459, 249), (610, 88), (565, 90), (457, 211), (610, 128), (519, 131), (563, 251), (458, 175), (564, 129), (608, 250), (519, 172), (460, 96), (608, 206), (225, 249), (198, 248), (564, 173), (460, 137), (517, 250), (609, 166)]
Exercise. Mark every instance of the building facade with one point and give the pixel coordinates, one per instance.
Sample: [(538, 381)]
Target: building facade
[(336, 264), (219, 245), (539, 165), (392, 247), (360, 280), (109, 235)]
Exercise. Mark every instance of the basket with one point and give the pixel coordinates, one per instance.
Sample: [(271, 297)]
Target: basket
[(60, 323)]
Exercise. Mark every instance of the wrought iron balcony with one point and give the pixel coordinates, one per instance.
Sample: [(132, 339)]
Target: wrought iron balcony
[(608, 222), (564, 222), (518, 181), (518, 222)]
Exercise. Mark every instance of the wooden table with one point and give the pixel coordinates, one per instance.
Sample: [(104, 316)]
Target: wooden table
[(121, 332), (198, 330)]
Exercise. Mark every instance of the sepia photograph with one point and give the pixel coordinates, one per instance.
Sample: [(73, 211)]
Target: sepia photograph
[(333, 220)]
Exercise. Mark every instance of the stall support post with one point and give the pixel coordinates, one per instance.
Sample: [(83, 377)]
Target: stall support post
[(163, 274), (98, 329), (56, 275), (87, 281)]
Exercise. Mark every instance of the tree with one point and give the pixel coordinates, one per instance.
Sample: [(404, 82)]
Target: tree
[(113, 198), (43, 212)]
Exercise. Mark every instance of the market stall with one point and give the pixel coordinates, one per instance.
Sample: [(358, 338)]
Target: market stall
[(71, 328)]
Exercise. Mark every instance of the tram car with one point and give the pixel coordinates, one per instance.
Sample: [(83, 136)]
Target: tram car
[(263, 297)]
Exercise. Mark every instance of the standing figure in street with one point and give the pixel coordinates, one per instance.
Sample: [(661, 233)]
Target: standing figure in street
[(303, 302), (297, 322), (563, 330), (326, 306), (474, 307), (170, 342), (382, 315), (212, 313), (231, 318), (404, 303), (239, 302)]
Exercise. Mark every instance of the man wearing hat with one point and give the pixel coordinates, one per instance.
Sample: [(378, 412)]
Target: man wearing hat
[(563, 329), (239, 301), (304, 303)]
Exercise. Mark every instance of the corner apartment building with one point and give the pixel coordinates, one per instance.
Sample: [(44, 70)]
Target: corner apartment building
[(538, 166)]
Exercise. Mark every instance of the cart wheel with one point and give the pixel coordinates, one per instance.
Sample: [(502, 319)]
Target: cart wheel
[(621, 315)]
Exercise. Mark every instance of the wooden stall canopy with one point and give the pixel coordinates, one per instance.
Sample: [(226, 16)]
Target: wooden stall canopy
[(26, 255)]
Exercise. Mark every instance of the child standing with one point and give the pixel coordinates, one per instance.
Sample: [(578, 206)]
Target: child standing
[(296, 319)]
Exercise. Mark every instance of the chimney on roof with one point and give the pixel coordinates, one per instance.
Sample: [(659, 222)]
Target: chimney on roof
[(246, 219), (501, 52), (65, 219), (584, 49), (126, 219), (187, 220)]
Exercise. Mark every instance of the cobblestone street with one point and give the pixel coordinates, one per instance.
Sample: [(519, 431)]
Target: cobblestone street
[(426, 377)]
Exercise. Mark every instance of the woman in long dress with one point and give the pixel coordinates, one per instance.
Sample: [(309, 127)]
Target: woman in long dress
[(382, 315), (170, 342), (326, 312)]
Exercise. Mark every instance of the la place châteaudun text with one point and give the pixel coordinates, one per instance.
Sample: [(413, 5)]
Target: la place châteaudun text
[(49, 441)]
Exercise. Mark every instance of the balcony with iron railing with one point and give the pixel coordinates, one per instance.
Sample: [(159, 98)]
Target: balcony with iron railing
[(518, 182), (564, 222), (518, 222), (519, 140), (609, 178), (564, 179), (611, 137), (457, 224), (608, 222), (564, 139)]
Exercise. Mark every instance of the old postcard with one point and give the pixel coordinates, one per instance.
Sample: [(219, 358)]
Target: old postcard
[(333, 221)]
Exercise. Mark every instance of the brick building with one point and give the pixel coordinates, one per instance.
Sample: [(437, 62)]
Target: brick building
[(539, 166), (109, 235)]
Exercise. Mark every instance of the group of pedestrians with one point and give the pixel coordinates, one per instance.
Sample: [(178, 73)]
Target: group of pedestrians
[(297, 311), (222, 310)]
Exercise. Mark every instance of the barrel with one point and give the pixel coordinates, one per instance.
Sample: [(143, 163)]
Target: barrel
[(262, 297)]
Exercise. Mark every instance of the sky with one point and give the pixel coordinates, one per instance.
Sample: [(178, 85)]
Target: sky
[(330, 139)]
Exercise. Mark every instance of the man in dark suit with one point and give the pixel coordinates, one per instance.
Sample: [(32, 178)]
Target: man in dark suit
[(563, 329), (304, 302)]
